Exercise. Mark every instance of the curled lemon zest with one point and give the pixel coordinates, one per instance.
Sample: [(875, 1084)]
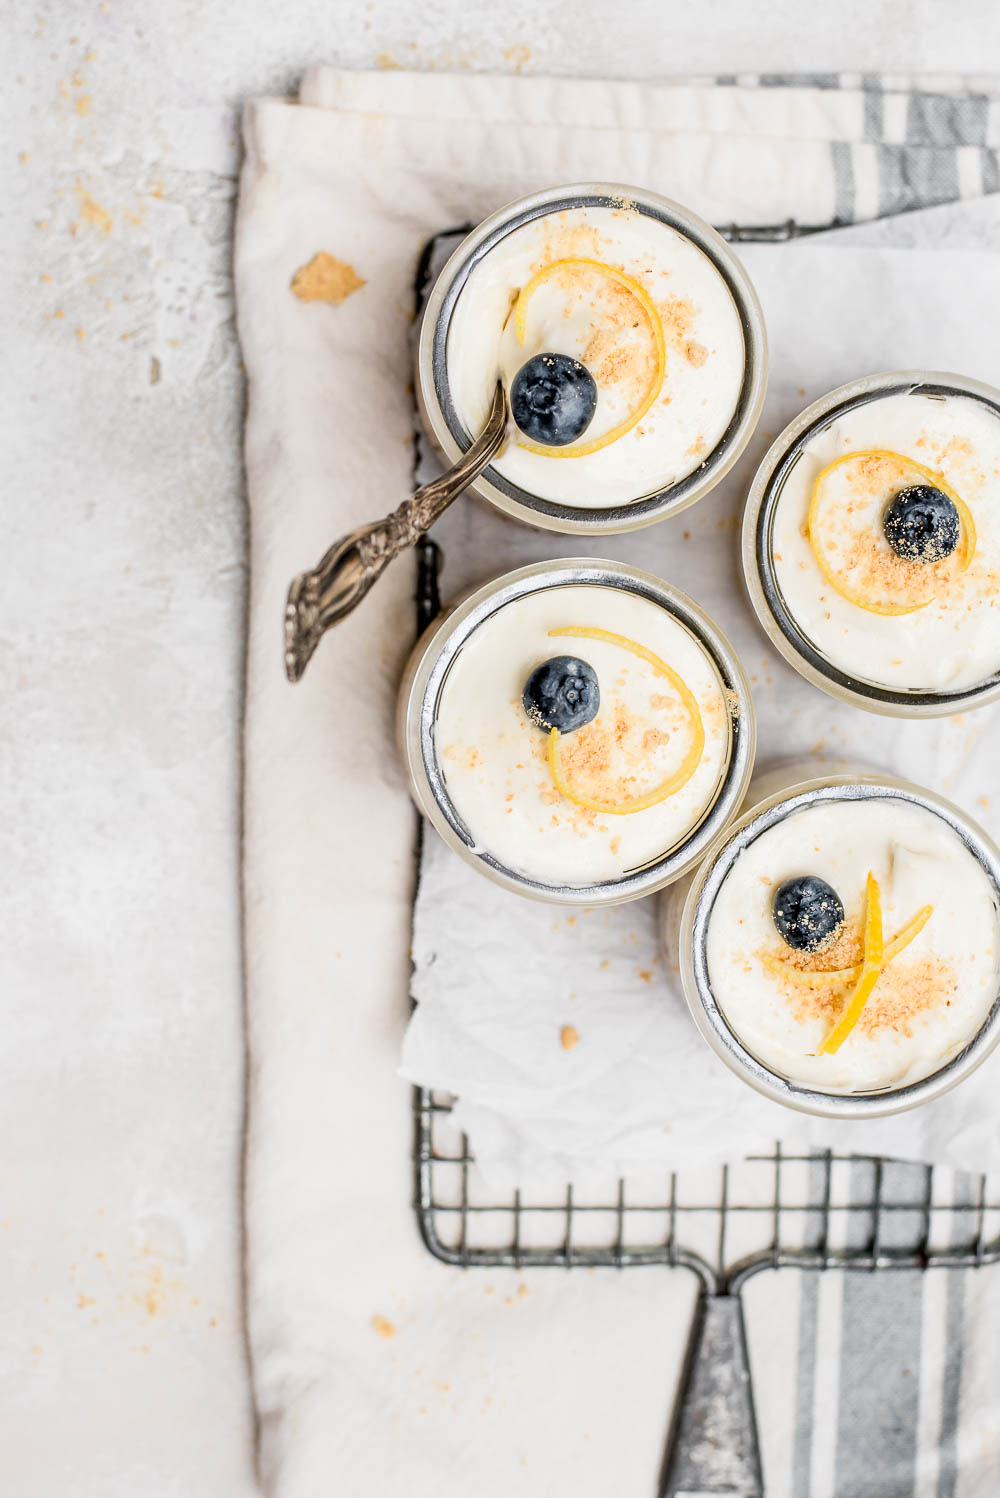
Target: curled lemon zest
[(872, 964), (583, 449), (685, 769), (835, 977), (968, 530)]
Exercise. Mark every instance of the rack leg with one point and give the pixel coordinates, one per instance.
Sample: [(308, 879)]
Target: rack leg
[(713, 1447), (428, 601)]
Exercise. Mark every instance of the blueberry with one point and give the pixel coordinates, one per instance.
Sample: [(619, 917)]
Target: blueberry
[(553, 399), (807, 913), (562, 693), (921, 524)]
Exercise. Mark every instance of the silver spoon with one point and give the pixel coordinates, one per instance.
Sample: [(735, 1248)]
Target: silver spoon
[(337, 584)]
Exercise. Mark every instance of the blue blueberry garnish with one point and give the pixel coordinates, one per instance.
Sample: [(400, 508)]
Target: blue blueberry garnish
[(807, 913), (562, 693), (921, 524), (553, 399)]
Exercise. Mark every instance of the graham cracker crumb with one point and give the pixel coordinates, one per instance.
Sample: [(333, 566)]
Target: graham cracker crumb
[(383, 1327), (905, 988), (518, 57), (92, 212), (326, 279), (848, 527), (569, 1037)]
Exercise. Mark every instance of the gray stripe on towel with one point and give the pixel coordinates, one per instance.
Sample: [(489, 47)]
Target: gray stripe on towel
[(843, 182), (874, 106), (805, 1372), (951, 1384), (915, 177), (878, 1403), (946, 120), (962, 1232), (800, 80)]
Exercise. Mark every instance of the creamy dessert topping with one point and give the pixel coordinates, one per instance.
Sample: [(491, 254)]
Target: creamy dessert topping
[(853, 944), (621, 346), (575, 753), (886, 542)]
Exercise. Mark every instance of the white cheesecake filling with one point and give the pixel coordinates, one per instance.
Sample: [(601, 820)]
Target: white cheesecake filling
[(930, 1000), (954, 641), (581, 313), (495, 761)]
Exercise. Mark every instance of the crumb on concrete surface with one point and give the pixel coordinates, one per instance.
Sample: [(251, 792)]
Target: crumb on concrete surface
[(94, 213), (517, 57)]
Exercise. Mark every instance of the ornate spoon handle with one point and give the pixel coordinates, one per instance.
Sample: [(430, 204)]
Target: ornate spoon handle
[(327, 594)]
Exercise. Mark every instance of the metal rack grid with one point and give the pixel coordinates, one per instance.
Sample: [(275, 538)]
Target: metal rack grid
[(810, 1212), (892, 1214)]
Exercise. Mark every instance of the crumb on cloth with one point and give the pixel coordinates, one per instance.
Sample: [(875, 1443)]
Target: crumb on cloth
[(324, 278)]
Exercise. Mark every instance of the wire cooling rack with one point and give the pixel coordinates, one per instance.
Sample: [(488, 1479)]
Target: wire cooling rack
[(810, 1212), (815, 1211)]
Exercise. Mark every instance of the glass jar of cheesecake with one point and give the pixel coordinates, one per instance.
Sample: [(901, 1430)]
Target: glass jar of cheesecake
[(839, 947), (631, 344), (577, 730), (871, 543)]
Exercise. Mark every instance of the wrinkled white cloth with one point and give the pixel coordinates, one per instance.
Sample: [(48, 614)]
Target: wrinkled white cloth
[(497, 976), (464, 1384)]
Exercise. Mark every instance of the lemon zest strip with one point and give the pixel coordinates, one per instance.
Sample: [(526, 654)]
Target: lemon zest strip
[(871, 970), (966, 521), (685, 769), (583, 449), (834, 977)]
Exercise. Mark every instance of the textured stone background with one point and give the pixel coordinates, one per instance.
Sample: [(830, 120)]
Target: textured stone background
[(121, 1344)]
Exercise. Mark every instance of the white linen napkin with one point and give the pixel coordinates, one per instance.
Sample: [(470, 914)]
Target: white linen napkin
[(375, 1369)]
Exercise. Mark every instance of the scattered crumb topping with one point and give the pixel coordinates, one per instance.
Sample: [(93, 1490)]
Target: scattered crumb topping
[(383, 1327), (846, 950), (848, 526), (904, 991), (569, 1037), (906, 988), (619, 349), (620, 754)]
